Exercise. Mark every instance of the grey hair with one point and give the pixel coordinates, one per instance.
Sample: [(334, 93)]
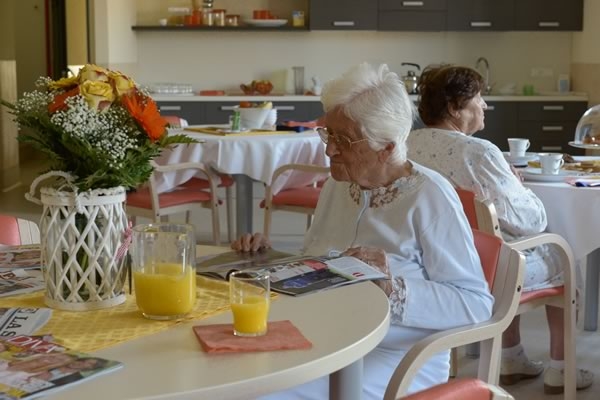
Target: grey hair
[(377, 100)]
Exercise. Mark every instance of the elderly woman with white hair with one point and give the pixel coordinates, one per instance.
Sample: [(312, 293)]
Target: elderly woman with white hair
[(396, 215)]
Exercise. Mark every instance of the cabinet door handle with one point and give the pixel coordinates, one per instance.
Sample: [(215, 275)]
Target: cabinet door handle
[(228, 108), (481, 24), (553, 108), (490, 108), (551, 148), (555, 128), (343, 23), (285, 108), (169, 108), (413, 3), (548, 24)]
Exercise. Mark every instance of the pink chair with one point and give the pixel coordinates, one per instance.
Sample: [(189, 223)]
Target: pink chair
[(563, 296), (503, 268), (16, 231), (148, 203), (299, 200), (463, 389)]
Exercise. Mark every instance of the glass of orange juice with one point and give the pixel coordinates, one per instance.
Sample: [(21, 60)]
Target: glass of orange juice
[(163, 266), (249, 294)]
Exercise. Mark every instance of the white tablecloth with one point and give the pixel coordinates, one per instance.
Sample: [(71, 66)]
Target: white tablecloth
[(573, 212), (254, 156)]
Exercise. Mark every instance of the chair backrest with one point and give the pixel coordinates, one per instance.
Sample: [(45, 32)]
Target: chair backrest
[(16, 231), (481, 213), (461, 388), (503, 268)]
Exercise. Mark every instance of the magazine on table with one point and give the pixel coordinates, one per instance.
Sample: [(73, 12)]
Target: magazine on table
[(22, 321), (31, 367), (23, 257), (18, 281), (298, 275)]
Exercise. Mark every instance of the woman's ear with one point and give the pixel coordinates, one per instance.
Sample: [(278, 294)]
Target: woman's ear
[(386, 152)]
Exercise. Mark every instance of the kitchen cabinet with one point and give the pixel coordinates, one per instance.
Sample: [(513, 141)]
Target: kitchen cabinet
[(412, 15), (555, 15), (550, 126), (192, 112), (480, 15), (500, 123), (343, 15)]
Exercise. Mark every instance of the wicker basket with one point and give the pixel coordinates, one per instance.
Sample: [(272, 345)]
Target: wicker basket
[(81, 234)]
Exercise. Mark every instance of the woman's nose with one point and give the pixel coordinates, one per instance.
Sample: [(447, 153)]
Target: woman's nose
[(331, 149)]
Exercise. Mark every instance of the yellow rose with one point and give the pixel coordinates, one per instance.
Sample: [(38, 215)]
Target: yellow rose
[(63, 83), (98, 95), (122, 84), (91, 72)]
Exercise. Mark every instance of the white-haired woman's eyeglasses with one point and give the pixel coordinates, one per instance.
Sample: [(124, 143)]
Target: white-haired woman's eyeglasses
[(341, 141)]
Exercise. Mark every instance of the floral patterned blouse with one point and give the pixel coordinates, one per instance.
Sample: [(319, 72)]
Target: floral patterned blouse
[(478, 165)]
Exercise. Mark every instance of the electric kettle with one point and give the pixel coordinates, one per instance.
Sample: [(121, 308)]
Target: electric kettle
[(411, 78)]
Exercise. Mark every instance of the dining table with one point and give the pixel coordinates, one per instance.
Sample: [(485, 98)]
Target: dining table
[(343, 324), (248, 157), (574, 213)]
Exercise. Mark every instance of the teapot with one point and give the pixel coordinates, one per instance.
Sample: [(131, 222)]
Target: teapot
[(411, 79)]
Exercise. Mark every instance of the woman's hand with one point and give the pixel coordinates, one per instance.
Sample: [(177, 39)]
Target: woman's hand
[(516, 172), (376, 258), (251, 243)]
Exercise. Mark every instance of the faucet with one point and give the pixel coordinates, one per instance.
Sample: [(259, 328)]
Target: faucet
[(488, 86)]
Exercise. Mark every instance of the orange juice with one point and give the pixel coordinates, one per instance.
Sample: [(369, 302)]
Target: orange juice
[(164, 290), (250, 317)]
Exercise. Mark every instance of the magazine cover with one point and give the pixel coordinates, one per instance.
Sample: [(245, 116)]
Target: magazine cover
[(17, 281), (31, 366), (12, 257)]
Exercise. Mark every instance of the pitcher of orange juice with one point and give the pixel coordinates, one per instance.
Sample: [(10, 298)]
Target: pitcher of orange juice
[(163, 266)]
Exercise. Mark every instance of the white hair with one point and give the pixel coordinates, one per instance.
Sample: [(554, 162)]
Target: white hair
[(376, 99)]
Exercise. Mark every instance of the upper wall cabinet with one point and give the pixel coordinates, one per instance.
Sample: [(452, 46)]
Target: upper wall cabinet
[(343, 15), (555, 15), (412, 15), (480, 15)]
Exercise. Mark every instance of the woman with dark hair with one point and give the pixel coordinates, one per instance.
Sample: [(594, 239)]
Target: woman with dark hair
[(451, 107)]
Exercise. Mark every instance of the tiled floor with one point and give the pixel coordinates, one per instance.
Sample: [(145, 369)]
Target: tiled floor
[(287, 235)]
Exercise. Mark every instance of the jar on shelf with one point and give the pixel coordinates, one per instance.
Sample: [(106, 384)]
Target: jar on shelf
[(219, 17), (207, 17), (177, 15), (232, 20)]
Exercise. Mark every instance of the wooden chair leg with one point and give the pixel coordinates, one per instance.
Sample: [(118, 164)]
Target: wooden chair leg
[(267, 223), (229, 200), (454, 362)]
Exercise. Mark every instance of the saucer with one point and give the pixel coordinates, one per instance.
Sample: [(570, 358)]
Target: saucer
[(536, 175), (519, 161), (580, 145)]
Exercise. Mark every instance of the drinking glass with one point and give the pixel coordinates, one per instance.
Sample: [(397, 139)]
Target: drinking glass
[(163, 266), (249, 294)]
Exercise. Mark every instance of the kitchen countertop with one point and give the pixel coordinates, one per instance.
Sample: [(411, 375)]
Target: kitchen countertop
[(234, 98)]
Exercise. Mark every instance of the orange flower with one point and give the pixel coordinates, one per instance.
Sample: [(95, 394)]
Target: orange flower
[(145, 112), (59, 102)]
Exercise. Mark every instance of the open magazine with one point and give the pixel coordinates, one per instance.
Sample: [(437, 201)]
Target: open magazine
[(300, 274), (18, 281), (31, 366), (13, 257)]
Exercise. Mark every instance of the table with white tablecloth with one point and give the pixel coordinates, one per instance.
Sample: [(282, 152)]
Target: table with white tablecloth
[(574, 213), (248, 158)]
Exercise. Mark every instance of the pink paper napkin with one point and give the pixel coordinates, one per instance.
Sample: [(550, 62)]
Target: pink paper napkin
[(281, 335)]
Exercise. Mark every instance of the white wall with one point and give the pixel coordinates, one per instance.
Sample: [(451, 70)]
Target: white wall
[(223, 60), (586, 47)]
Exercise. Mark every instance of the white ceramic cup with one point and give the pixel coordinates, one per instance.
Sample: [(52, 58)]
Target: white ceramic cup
[(551, 162), (518, 146)]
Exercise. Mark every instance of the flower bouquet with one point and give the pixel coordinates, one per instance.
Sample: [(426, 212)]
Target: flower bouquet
[(99, 131)]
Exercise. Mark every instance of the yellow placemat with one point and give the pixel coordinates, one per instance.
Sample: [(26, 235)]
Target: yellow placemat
[(88, 331), (213, 130)]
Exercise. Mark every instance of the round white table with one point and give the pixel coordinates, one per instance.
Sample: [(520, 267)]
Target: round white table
[(343, 325), (574, 213), (248, 159)]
